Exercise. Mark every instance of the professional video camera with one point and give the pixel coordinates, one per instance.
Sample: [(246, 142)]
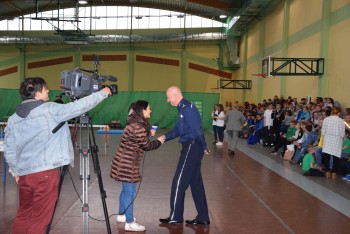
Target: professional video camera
[(76, 84)]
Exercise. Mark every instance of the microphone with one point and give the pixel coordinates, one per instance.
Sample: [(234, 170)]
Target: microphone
[(155, 126), (110, 78)]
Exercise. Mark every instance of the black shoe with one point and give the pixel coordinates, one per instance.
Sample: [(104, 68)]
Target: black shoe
[(293, 161), (198, 222), (169, 221), (215, 142)]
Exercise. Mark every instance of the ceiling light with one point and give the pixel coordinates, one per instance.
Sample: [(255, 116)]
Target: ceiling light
[(76, 42), (83, 2), (222, 16), (233, 21)]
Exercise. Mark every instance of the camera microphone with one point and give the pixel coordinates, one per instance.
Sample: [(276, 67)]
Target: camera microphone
[(110, 78)]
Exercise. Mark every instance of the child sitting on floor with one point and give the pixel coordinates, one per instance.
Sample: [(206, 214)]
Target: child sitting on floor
[(308, 166)]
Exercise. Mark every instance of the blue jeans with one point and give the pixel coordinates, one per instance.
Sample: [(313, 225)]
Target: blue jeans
[(126, 205), (215, 130), (318, 153), (220, 131), (299, 154)]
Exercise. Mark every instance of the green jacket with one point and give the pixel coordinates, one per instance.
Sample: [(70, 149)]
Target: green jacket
[(290, 132)]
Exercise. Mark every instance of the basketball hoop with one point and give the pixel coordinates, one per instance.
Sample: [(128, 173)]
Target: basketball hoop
[(263, 75)]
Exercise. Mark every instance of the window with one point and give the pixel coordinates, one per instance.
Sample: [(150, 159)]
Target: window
[(108, 18)]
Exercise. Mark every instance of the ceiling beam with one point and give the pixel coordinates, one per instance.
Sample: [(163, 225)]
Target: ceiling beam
[(9, 3), (214, 4)]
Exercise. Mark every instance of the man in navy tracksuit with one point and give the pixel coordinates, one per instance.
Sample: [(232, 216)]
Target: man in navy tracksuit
[(188, 171)]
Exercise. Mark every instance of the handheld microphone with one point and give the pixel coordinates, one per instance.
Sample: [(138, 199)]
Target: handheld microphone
[(155, 126)]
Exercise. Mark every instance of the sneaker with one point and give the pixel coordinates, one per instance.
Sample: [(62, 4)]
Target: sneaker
[(134, 227), (215, 142), (122, 218), (219, 143), (273, 153), (346, 177)]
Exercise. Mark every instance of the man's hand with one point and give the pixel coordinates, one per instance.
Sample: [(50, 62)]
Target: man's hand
[(161, 139), (206, 151), (17, 178), (107, 90)]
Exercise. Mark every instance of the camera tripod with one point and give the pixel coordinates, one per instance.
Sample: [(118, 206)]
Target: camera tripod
[(84, 121)]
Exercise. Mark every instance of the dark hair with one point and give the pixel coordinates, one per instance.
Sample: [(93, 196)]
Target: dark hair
[(138, 107), (221, 107), (328, 111), (30, 86), (308, 127)]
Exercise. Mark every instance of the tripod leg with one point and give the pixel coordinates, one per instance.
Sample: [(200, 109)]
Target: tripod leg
[(63, 172), (97, 171)]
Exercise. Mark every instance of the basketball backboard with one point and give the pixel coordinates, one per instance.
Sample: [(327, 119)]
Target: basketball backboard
[(266, 66)]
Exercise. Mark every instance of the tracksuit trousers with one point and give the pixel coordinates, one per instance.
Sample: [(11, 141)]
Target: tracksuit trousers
[(188, 173)]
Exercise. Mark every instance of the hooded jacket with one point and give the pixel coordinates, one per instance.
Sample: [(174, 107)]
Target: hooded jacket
[(134, 142), (30, 145)]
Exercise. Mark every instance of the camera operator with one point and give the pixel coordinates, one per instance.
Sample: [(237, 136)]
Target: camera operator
[(34, 153)]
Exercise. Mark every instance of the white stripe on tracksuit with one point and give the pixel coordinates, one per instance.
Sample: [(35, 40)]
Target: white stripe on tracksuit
[(178, 182)]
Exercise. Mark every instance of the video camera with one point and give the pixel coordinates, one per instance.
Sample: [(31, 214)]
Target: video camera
[(76, 84)]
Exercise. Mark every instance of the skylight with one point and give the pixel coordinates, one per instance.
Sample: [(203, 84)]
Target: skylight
[(107, 18)]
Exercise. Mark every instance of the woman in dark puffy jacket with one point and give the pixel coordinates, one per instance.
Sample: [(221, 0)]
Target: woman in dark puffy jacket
[(126, 162)]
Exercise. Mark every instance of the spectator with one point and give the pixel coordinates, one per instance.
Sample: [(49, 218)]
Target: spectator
[(268, 124), (309, 138), (347, 121), (258, 127), (278, 117), (316, 116), (305, 114), (308, 166), (286, 138), (214, 116), (288, 118), (220, 124), (333, 131), (298, 112), (346, 145)]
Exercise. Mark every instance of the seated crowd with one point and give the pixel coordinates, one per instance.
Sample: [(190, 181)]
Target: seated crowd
[(314, 134)]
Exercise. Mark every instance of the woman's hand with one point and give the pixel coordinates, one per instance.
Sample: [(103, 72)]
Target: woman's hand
[(153, 132)]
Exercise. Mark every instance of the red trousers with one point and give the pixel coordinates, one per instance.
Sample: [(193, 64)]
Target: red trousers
[(38, 193)]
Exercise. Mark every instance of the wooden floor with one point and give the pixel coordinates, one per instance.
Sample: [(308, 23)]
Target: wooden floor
[(250, 192)]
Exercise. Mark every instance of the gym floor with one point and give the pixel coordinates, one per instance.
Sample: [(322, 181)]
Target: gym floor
[(249, 192)]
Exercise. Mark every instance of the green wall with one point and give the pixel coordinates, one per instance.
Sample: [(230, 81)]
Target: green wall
[(116, 107)]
